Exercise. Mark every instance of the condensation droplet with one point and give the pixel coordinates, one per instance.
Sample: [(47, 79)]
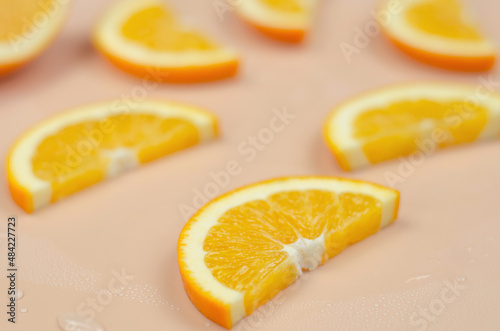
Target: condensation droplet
[(71, 322), (19, 295), (23, 310)]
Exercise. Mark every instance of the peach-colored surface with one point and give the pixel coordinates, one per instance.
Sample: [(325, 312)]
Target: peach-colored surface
[(436, 268)]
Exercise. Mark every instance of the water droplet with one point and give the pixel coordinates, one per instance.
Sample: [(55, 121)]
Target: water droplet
[(71, 322), (19, 295), (417, 278), (328, 304), (23, 310), (207, 324), (469, 249), (461, 279)]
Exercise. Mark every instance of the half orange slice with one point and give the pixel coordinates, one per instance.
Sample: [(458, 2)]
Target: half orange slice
[(145, 38), (27, 27), (285, 20), (244, 247), (84, 146), (440, 33), (401, 120)]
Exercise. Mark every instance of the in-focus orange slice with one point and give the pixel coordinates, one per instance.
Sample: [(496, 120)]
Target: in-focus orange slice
[(439, 32), (144, 38), (244, 247), (401, 120), (27, 27), (285, 20), (82, 147)]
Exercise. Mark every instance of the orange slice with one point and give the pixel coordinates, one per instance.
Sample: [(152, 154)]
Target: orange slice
[(401, 120), (441, 33), (244, 247), (144, 38), (79, 148), (27, 27), (285, 20)]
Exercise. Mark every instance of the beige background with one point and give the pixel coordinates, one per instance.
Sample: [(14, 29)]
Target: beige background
[(448, 230)]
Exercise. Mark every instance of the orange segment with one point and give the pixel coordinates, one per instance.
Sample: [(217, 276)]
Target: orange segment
[(441, 33), (285, 20), (241, 249), (356, 217), (80, 148), (27, 27), (395, 122), (146, 39)]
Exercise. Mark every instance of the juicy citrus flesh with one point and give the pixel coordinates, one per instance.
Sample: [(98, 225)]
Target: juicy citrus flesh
[(444, 18), (17, 17), (156, 27), (395, 130), (246, 249), (290, 6), (77, 156)]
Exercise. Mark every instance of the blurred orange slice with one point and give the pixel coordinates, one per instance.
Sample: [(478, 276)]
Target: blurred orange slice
[(79, 148), (244, 247), (27, 27), (440, 33), (285, 20), (401, 120), (144, 38)]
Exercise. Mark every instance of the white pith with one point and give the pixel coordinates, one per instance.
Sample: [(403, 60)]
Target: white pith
[(120, 160), (303, 254), (339, 126), (21, 48), (259, 13), (400, 29), (306, 254), (108, 35)]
